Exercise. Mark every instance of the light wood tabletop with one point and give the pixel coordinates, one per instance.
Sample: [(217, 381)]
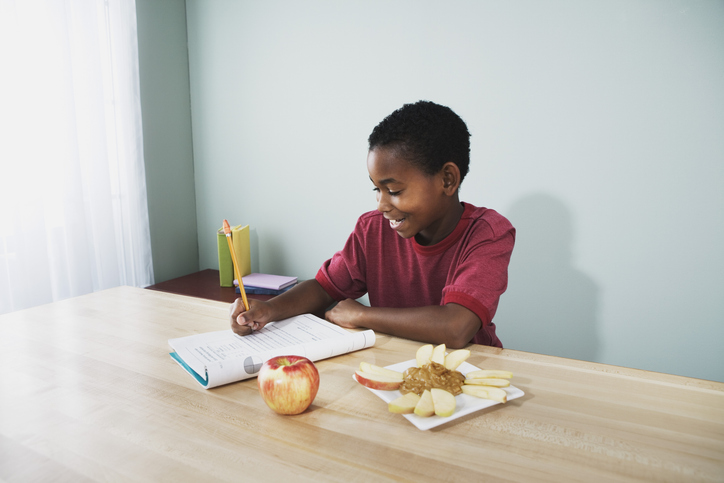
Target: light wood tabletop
[(89, 393)]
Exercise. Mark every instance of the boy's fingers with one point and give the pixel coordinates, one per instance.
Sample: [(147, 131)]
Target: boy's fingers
[(243, 322), (238, 322), (236, 309), (243, 327), (243, 330)]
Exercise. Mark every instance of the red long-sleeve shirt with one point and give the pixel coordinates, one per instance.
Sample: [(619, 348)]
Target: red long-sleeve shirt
[(469, 267)]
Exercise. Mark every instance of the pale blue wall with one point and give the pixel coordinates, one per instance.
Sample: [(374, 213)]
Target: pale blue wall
[(166, 111), (597, 129)]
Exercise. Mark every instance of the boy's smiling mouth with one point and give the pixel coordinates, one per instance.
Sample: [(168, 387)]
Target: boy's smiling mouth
[(396, 223)]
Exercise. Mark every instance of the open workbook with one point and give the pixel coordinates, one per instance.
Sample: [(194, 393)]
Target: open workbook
[(222, 357)]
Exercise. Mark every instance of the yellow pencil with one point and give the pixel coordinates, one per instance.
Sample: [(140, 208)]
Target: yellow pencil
[(227, 232)]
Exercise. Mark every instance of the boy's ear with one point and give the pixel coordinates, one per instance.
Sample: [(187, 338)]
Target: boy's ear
[(450, 174)]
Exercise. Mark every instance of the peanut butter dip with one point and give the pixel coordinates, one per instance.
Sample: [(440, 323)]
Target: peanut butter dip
[(417, 379)]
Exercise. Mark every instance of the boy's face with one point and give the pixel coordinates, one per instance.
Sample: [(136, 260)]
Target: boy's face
[(414, 202)]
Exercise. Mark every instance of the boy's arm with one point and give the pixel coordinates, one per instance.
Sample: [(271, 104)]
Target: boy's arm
[(307, 297), (450, 324)]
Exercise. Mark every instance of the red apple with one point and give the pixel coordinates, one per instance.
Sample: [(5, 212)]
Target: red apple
[(288, 384)]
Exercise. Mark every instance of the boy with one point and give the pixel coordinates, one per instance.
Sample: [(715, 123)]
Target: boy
[(434, 267)]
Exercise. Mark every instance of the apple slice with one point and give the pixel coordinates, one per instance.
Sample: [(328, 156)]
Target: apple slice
[(423, 355), (438, 354), (482, 374), (404, 404), (425, 407), (371, 368), (486, 392), (490, 381), (444, 402), (377, 381), (455, 358)]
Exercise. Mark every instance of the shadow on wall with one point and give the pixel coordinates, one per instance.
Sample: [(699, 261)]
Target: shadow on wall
[(550, 306)]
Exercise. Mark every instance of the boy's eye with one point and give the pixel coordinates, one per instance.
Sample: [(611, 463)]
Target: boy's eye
[(391, 193)]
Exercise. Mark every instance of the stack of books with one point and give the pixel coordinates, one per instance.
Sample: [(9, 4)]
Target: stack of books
[(266, 284)]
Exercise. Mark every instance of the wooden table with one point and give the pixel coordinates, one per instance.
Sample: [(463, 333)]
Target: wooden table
[(89, 393)]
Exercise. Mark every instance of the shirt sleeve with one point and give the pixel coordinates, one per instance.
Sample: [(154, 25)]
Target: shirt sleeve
[(481, 274), (343, 275)]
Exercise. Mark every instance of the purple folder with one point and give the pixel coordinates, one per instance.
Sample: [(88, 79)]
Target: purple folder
[(273, 282)]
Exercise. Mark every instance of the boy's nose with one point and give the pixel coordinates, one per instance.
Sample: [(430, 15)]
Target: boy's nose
[(382, 203)]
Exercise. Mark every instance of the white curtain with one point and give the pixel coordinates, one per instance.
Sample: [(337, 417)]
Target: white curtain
[(73, 209)]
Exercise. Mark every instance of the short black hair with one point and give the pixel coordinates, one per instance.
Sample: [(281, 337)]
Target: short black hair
[(428, 135)]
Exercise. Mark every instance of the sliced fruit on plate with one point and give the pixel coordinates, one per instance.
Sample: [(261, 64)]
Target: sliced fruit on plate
[(438, 354), (490, 381), (443, 401), (404, 404), (423, 355), (483, 374), (455, 358), (377, 381), (367, 367), (425, 407), (486, 392)]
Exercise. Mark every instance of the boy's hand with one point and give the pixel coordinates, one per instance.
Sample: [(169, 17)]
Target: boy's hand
[(346, 313), (245, 322)]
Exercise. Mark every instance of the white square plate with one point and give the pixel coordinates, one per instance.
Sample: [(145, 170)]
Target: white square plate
[(464, 404)]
